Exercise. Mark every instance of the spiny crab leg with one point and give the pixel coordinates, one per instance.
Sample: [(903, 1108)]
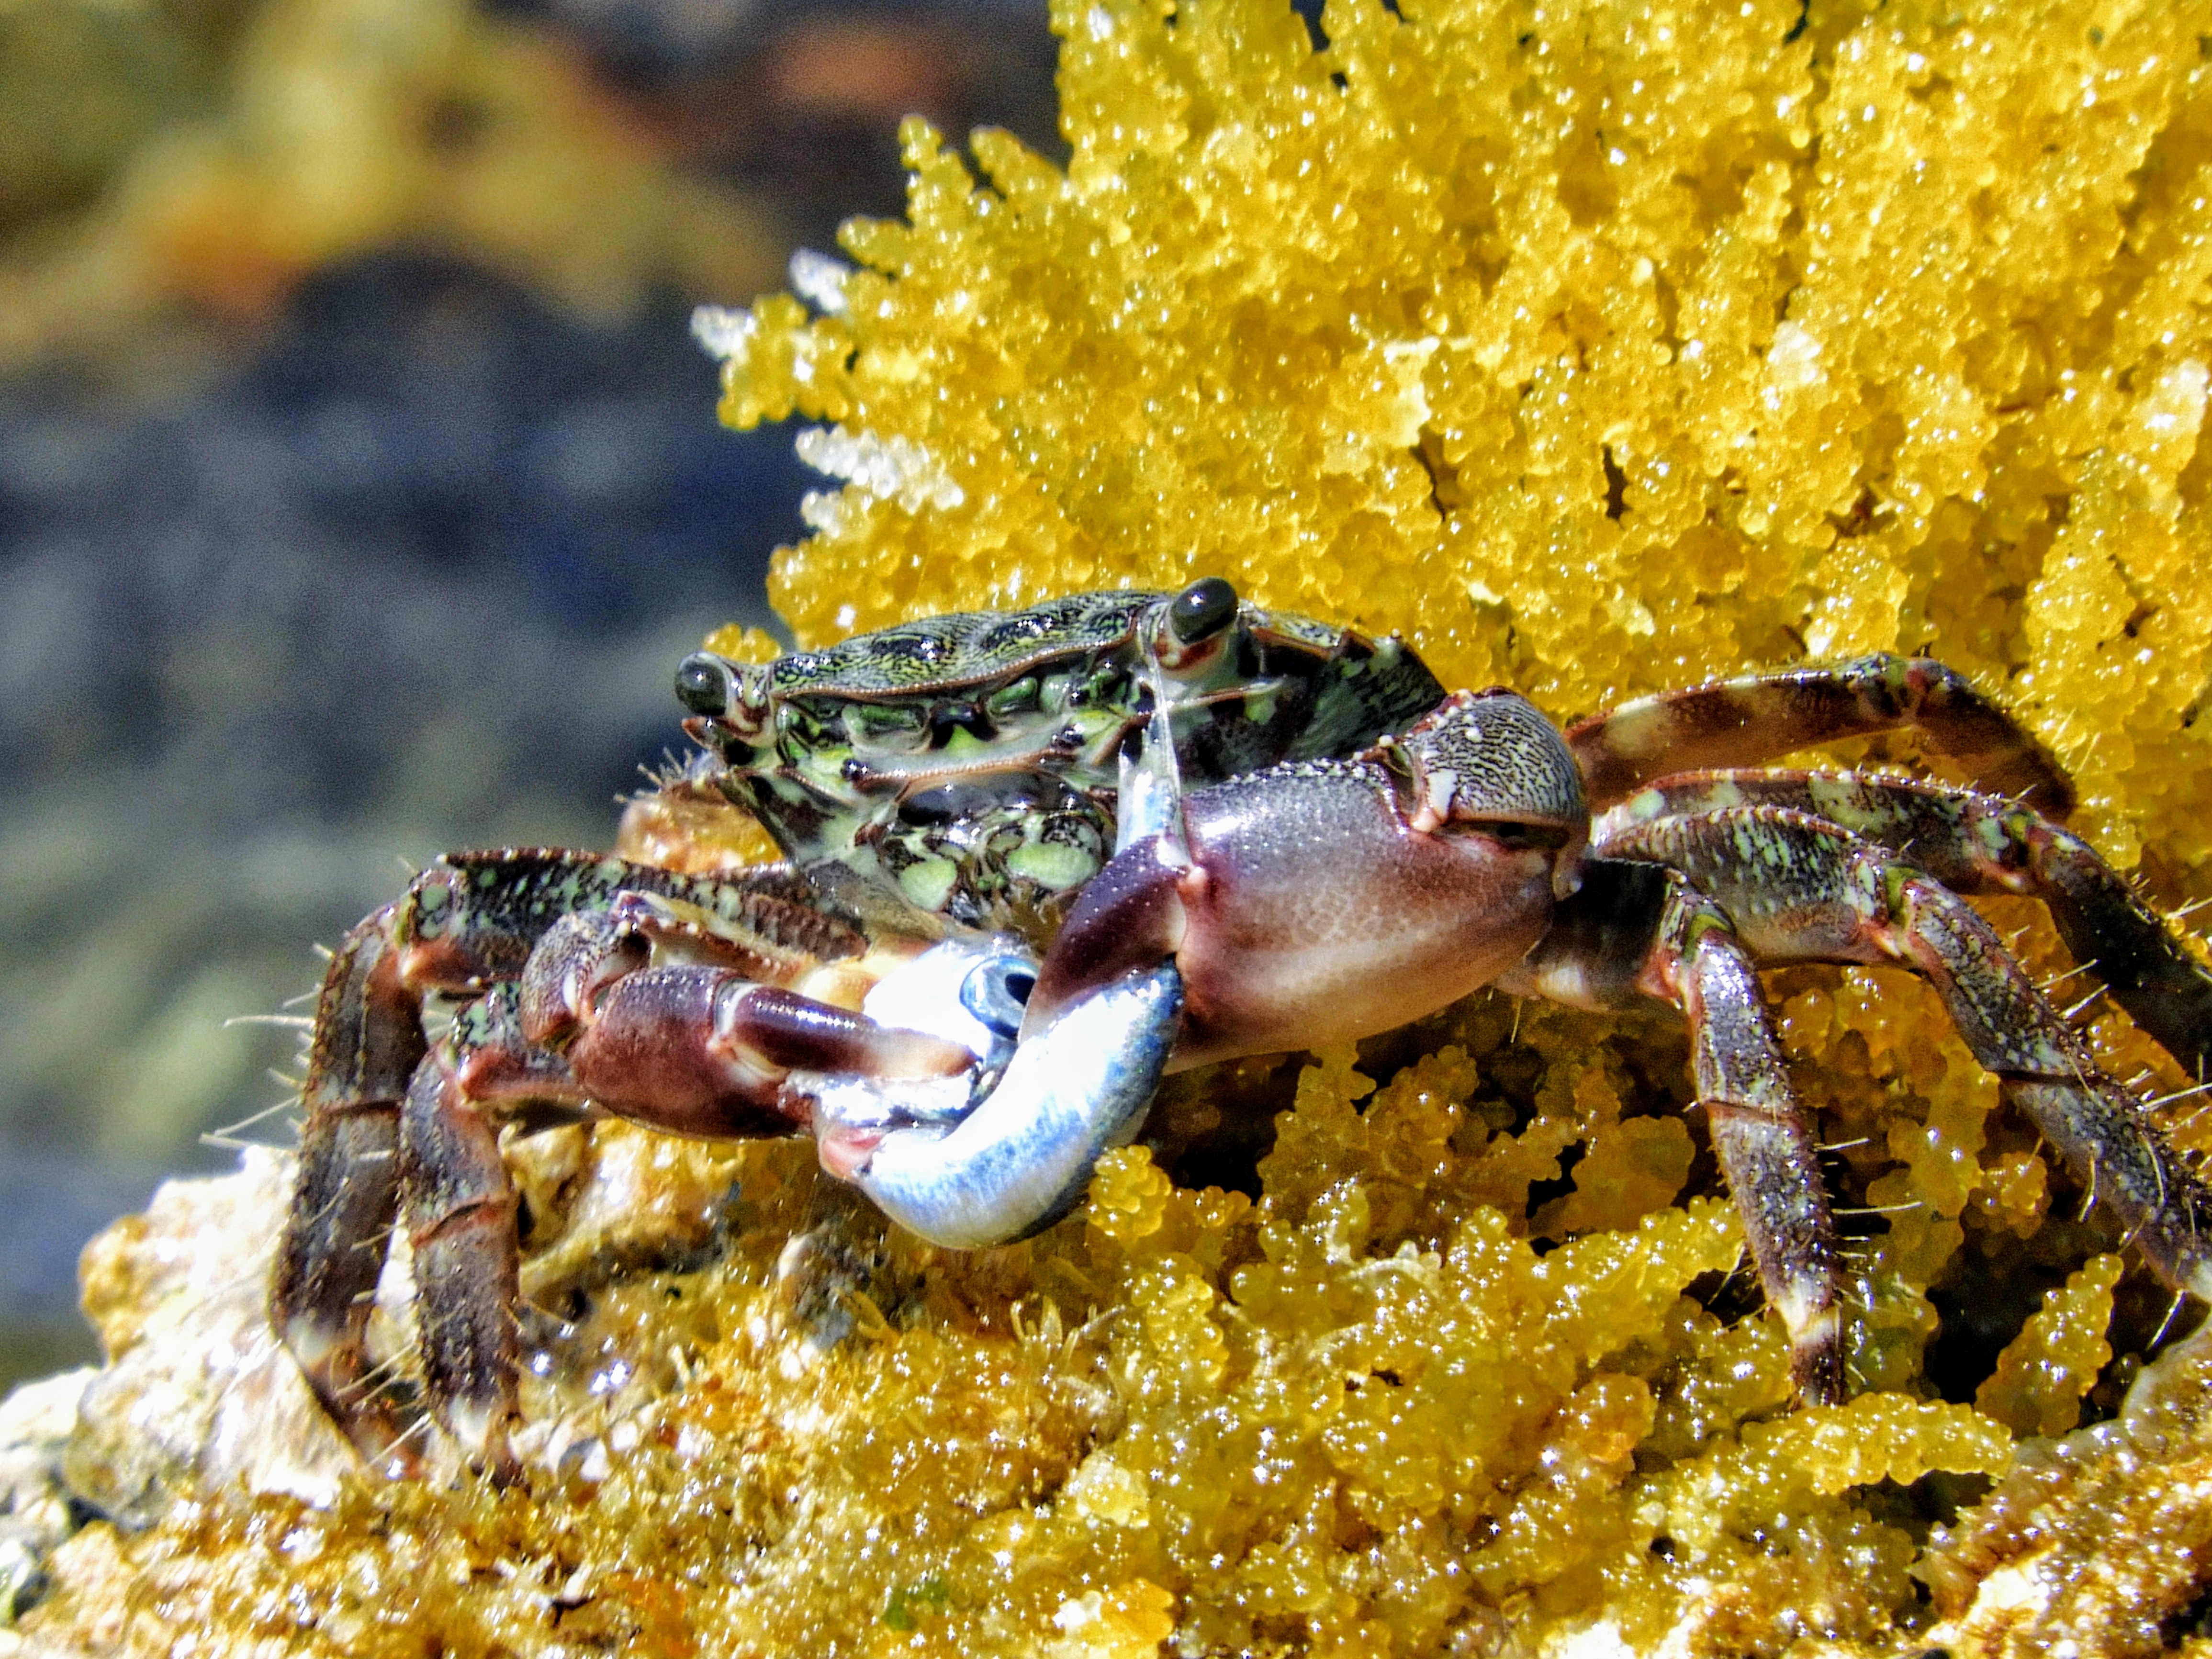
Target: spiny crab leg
[(1979, 844), (1640, 930), (368, 1039), (1802, 889), (642, 1000), (1758, 717)]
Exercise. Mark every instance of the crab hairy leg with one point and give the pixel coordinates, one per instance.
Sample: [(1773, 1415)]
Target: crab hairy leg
[(1977, 843), (698, 1048), (1637, 931), (692, 1050), (1762, 717), (460, 1215), (472, 918), (367, 1042), (1797, 889)]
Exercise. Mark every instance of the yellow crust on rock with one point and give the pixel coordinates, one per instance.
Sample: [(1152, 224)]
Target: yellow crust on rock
[(1597, 349)]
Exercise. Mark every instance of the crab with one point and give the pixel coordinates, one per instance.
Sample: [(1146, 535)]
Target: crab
[(1310, 841), (930, 785), (1638, 855)]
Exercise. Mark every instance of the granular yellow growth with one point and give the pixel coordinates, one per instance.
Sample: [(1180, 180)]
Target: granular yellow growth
[(1597, 349), (2042, 1373)]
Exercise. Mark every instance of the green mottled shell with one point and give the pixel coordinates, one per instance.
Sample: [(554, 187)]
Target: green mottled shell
[(970, 647), (971, 762)]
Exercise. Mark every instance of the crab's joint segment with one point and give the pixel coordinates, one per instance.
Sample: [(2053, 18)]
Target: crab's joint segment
[(1801, 888), (2102, 1131), (1023, 1155), (1978, 843), (1641, 929), (460, 1219), (1741, 721), (1760, 1136), (328, 1263)]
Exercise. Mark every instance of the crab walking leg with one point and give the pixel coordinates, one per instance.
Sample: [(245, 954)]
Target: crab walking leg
[(468, 920), (1797, 889), (473, 918), (1977, 843), (692, 1050), (591, 1027), (1762, 717), (367, 1042), (1640, 930), (461, 1222)]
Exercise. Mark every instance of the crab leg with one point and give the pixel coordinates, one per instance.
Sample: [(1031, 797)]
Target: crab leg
[(700, 1047), (1761, 717), (1975, 843), (1637, 929), (461, 1222), (367, 1042), (1800, 889)]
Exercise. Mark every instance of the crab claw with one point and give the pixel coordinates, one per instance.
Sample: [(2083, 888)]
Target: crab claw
[(1319, 901), (968, 1174)]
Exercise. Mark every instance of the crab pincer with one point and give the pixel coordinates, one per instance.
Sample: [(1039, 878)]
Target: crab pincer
[(1316, 901)]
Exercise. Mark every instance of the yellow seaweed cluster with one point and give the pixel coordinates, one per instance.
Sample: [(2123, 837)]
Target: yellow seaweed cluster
[(1595, 348)]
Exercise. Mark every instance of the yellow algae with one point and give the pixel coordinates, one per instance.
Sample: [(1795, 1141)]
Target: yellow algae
[(2042, 1373), (1596, 348)]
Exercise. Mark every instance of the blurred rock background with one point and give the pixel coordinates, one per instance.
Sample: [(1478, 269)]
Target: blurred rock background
[(360, 485)]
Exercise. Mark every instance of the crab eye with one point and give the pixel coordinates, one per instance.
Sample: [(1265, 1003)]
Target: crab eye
[(997, 991), (1202, 610), (704, 685)]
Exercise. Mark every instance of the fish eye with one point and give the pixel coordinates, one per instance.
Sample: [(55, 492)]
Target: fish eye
[(996, 991), (1201, 611), (704, 685)]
